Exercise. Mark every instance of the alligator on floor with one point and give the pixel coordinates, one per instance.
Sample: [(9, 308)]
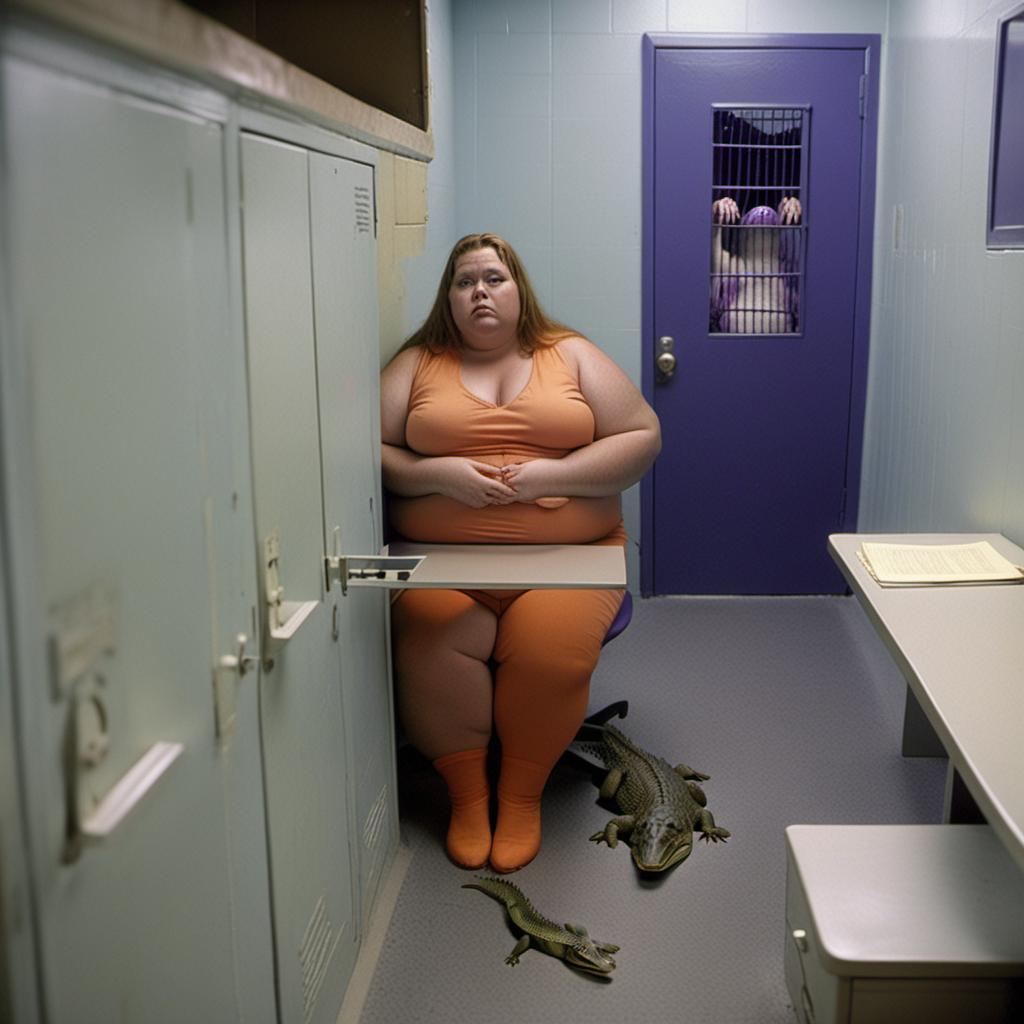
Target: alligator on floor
[(570, 943), (661, 805)]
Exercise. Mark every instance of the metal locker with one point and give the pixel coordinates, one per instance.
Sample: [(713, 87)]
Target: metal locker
[(118, 265), (18, 971), (305, 753), (348, 362)]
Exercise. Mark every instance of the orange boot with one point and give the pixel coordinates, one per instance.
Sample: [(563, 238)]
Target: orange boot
[(469, 830), (517, 835)]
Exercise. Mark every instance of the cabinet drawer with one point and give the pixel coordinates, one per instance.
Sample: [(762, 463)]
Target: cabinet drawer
[(931, 1000), (903, 925), (818, 996)]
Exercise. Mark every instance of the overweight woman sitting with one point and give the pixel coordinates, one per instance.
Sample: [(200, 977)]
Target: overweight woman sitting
[(502, 426)]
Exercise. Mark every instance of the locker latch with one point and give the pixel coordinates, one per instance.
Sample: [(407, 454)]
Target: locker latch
[(228, 672), (83, 631), (283, 617), (274, 590), (82, 644), (387, 571)]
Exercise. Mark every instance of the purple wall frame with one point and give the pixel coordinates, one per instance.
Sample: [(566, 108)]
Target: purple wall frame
[(1006, 149), (871, 45)]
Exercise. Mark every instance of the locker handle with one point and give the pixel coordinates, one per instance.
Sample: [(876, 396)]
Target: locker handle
[(293, 614), (129, 790), (283, 617)]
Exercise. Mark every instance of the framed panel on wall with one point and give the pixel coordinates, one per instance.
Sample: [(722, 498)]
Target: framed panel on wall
[(1006, 167)]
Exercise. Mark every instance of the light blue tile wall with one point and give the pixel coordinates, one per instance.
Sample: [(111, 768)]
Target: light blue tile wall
[(423, 272), (944, 446), (548, 114), (536, 108)]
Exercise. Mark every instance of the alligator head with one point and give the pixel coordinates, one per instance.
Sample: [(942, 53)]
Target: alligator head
[(588, 954), (660, 839)]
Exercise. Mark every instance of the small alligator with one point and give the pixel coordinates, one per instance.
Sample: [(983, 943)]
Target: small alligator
[(571, 943), (662, 805)]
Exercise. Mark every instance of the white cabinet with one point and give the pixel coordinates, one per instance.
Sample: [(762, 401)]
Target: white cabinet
[(902, 924)]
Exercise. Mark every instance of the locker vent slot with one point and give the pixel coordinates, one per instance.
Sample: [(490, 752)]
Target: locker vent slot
[(364, 209), (316, 952), (758, 219), (375, 820)]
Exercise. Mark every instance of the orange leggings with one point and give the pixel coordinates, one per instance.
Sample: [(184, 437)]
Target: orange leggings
[(546, 647)]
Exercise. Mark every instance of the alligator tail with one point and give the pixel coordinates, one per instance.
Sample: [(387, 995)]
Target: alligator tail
[(504, 891)]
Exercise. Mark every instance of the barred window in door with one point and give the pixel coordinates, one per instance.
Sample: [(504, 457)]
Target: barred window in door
[(758, 219)]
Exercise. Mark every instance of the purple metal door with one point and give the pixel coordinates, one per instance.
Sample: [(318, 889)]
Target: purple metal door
[(757, 270)]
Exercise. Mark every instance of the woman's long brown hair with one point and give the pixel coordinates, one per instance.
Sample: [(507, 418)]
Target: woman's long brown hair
[(438, 332)]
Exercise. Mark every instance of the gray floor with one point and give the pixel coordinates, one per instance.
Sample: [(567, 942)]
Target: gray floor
[(794, 708)]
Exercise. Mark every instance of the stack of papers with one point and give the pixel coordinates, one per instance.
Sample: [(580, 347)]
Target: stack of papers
[(914, 565)]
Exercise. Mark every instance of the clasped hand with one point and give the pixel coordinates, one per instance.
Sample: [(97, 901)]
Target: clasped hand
[(478, 484)]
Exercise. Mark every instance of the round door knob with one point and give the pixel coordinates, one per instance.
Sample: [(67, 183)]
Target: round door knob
[(666, 363)]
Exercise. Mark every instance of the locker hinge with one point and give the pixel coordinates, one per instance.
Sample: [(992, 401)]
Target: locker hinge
[(863, 94)]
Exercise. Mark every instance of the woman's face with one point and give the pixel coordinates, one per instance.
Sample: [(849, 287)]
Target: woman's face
[(484, 299)]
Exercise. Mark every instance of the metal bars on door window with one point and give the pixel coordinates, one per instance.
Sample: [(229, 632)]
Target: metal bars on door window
[(758, 219)]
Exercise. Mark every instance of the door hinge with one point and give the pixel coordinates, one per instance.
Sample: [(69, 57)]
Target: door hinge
[(863, 94)]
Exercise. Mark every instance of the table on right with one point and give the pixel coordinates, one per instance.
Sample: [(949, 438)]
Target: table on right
[(961, 651), (924, 924)]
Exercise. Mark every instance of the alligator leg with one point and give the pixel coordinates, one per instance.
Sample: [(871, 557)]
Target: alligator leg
[(697, 793), (621, 826), (611, 783), (690, 773), (709, 830), (520, 947)]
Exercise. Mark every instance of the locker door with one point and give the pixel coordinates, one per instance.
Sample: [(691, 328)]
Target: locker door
[(301, 698), (118, 257), (348, 361), (19, 998)]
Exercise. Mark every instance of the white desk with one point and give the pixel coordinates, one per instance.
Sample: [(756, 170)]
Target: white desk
[(961, 650), (515, 566)]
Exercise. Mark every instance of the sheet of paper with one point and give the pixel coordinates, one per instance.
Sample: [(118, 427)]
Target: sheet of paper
[(978, 562)]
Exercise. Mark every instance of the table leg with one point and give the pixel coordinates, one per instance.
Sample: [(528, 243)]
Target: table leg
[(919, 738), (958, 806)]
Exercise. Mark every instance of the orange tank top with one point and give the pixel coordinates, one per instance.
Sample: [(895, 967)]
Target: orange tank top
[(547, 419)]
